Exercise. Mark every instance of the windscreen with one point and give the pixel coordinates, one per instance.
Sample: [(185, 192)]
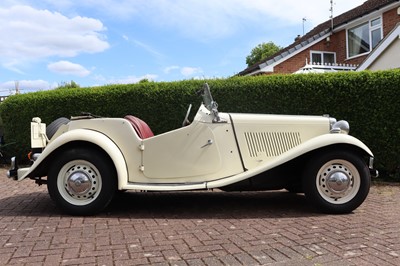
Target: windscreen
[(207, 98)]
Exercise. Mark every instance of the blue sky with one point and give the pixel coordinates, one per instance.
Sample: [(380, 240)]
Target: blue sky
[(98, 42)]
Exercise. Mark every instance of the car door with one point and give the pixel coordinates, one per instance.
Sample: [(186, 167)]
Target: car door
[(182, 155)]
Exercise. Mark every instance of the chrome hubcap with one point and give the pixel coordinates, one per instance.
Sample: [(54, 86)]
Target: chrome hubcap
[(79, 183), (338, 181)]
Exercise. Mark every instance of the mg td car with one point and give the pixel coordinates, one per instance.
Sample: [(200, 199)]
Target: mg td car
[(85, 160)]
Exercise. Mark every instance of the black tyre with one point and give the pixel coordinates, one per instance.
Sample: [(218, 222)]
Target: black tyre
[(336, 182), (82, 181), (52, 128)]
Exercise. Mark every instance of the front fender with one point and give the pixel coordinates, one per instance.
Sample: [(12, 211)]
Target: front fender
[(90, 136), (308, 146), (330, 139)]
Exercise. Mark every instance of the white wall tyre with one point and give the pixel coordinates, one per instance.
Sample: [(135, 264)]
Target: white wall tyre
[(336, 182), (82, 181)]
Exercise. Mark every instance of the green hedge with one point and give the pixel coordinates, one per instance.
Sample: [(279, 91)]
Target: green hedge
[(368, 100)]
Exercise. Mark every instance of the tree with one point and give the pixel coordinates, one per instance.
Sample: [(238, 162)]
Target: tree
[(68, 85), (261, 51), (144, 80)]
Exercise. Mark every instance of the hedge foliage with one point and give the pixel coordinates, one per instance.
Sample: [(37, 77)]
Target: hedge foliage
[(369, 101)]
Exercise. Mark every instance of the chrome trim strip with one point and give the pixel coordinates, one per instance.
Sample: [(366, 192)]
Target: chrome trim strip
[(371, 163)]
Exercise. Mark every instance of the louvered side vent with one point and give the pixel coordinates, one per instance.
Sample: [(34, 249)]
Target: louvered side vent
[(271, 144)]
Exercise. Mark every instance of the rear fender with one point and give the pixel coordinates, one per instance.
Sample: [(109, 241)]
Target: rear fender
[(308, 146), (90, 136)]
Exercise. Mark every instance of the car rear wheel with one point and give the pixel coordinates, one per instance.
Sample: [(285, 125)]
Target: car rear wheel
[(336, 182), (82, 181)]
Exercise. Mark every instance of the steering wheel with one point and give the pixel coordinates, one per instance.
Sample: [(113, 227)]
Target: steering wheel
[(186, 120)]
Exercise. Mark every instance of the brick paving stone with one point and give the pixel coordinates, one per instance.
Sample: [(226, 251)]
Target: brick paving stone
[(70, 253), (230, 260), (178, 263), (246, 259), (232, 248), (154, 260), (195, 262), (206, 248), (26, 260), (196, 255), (5, 257), (52, 259), (276, 255), (261, 257), (171, 255), (197, 228), (213, 261)]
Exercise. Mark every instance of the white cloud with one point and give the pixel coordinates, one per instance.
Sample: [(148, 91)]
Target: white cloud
[(148, 48), (169, 69), (68, 68), (215, 19), (131, 79), (32, 34), (189, 71), (13, 66), (24, 86), (185, 71)]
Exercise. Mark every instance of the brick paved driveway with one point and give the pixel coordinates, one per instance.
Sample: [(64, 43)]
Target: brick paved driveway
[(197, 228)]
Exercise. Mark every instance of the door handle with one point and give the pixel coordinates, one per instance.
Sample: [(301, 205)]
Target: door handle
[(209, 142)]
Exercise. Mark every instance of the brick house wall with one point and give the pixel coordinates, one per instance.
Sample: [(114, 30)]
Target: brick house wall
[(337, 44), (298, 61), (390, 19)]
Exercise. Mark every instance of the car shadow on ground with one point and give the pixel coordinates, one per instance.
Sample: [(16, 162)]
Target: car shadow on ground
[(174, 205), (217, 205)]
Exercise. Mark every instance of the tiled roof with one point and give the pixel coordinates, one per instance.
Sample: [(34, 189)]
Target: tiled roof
[(320, 30)]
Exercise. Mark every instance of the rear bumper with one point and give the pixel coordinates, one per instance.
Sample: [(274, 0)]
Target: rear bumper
[(13, 172)]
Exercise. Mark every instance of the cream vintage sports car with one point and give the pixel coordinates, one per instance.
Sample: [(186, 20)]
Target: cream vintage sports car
[(85, 160)]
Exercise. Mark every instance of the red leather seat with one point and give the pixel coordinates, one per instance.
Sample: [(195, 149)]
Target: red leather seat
[(141, 128)]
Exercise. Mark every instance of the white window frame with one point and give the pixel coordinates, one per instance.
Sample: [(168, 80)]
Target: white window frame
[(370, 30), (322, 56)]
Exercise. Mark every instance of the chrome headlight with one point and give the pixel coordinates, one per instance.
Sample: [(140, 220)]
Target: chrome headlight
[(332, 121), (341, 126)]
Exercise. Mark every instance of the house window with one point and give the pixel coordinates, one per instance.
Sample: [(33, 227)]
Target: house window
[(376, 31), (323, 58), (363, 38)]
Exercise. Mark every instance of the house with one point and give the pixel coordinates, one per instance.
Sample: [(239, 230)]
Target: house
[(342, 43), (386, 54)]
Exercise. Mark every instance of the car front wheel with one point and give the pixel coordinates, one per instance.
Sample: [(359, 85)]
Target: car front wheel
[(336, 182), (82, 181)]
